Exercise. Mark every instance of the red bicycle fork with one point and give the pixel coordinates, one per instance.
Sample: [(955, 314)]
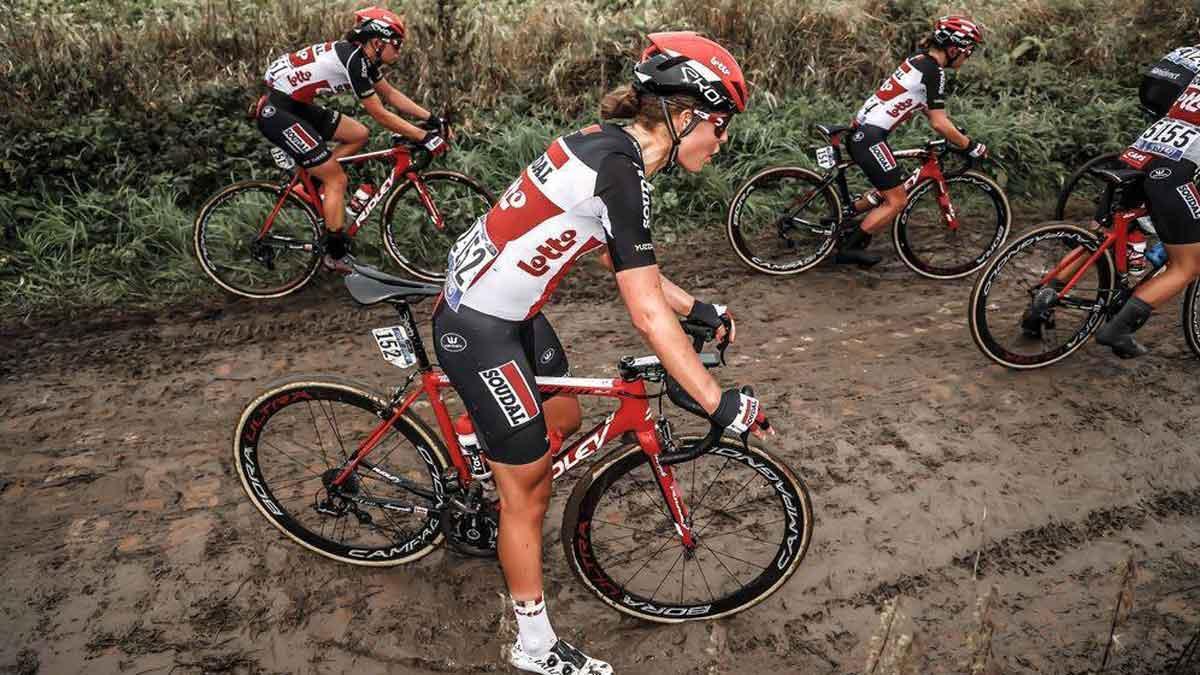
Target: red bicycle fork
[(632, 415)]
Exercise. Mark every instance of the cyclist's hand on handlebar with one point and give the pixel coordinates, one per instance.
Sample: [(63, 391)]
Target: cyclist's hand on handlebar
[(717, 317), (741, 413), (435, 143), (976, 150), (440, 125)]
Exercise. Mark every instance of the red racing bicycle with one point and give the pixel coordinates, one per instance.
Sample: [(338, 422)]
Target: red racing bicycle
[(662, 528), (258, 239)]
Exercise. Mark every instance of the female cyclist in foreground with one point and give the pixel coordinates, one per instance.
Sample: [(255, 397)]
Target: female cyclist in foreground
[(587, 192), (918, 84)]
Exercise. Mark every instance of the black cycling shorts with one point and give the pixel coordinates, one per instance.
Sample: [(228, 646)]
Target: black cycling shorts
[(492, 364), (300, 129), (869, 149), (1174, 200)]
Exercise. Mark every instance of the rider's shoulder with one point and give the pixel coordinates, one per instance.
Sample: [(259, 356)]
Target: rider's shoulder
[(347, 50), (596, 144), (924, 62)]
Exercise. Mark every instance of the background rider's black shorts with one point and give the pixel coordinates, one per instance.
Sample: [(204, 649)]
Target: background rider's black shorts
[(492, 364), (300, 129), (1174, 200), (869, 148)]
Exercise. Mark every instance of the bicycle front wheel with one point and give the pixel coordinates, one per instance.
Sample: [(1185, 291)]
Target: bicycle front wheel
[(293, 440), (248, 256), (1191, 317), (782, 221), (410, 233), (927, 245), (751, 516), (1020, 323), (1081, 191)]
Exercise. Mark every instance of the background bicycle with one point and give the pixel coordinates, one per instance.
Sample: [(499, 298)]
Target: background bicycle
[(1083, 189), (1023, 315), (785, 220), (666, 529), (258, 239)]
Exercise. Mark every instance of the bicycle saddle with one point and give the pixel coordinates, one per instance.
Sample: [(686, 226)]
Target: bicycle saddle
[(1118, 177), (831, 130), (369, 286)]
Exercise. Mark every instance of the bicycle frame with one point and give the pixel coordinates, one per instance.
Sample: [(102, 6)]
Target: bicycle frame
[(1117, 238), (632, 415), (931, 168), (301, 185)]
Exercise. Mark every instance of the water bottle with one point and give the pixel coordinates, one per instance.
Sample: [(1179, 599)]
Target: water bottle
[(1137, 250), (1157, 255), (465, 430), (361, 196), (1146, 225)]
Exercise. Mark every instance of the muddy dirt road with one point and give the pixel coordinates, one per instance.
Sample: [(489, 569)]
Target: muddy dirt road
[(128, 545)]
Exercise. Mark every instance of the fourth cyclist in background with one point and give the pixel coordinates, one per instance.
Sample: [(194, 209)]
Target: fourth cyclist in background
[(287, 116), (918, 84)]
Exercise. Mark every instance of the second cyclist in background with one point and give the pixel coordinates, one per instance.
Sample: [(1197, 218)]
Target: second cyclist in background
[(287, 116), (1164, 81), (919, 84)]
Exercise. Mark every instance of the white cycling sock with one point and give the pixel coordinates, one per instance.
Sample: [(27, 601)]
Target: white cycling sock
[(533, 627)]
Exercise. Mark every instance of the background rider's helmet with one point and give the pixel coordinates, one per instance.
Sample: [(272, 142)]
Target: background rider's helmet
[(956, 31), (376, 22), (686, 63)]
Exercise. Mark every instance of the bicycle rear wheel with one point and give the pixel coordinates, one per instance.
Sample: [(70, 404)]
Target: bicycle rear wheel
[(927, 245), (232, 250), (1080, 193), (751, 515), (1011, 285), (409, 234), (293, 439), (782, 221), (1191, 317)]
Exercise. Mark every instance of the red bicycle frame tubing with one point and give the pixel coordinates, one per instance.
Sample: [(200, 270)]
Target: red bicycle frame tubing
[(1117, 239), (633, 414)]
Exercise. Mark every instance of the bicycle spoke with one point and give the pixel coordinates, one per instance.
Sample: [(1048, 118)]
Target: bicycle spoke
[(657, 588), (648, 559), (730, 555), (696, 505)]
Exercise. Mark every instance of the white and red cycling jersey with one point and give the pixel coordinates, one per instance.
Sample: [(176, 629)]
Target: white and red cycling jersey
[(323, 68), (586, 191), (918, 84), (1175, 137)]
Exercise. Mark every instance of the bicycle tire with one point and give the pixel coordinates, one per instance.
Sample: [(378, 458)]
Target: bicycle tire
[(919, 257), (816, 245), (259, 478), (230, 253), (428, 262), (986, 324), (774, 483), (1191, 317), (1081, 177)]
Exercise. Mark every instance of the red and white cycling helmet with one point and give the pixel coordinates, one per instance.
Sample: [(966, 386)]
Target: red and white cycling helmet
[(683, 62), (378, 22), (957, 31)]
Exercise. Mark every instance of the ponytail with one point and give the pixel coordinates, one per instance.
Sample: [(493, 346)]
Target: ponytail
[(622, 103)]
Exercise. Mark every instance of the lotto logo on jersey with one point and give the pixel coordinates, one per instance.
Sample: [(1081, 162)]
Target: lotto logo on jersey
[(883, 155), (510, 391), (300, 140), (551, 249), (1191, 198), (1189, 100)]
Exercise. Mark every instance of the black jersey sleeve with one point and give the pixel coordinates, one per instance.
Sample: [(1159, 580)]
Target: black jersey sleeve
[(625, 196), (933, 77), (362, 73)]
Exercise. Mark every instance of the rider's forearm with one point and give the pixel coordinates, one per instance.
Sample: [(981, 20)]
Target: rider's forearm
[(947, 130), (660, 329), (680, 300), (407, 106), (397, 124)]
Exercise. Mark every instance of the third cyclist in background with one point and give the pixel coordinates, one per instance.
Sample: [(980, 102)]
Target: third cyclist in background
[(919, 83)]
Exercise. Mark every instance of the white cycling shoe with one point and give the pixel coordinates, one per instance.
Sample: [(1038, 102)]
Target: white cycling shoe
[(562, 659)]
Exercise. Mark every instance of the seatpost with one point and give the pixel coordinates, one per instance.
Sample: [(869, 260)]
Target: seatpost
[(410, 324)]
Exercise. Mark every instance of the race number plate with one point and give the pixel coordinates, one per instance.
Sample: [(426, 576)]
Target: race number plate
[(825, 157), (396, 345)]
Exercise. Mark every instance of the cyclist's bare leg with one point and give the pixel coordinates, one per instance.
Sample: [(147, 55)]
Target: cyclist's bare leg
[(351, 136), (881, 216), (1183, 265), (334, 179), (524, 495), (563, 414)]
